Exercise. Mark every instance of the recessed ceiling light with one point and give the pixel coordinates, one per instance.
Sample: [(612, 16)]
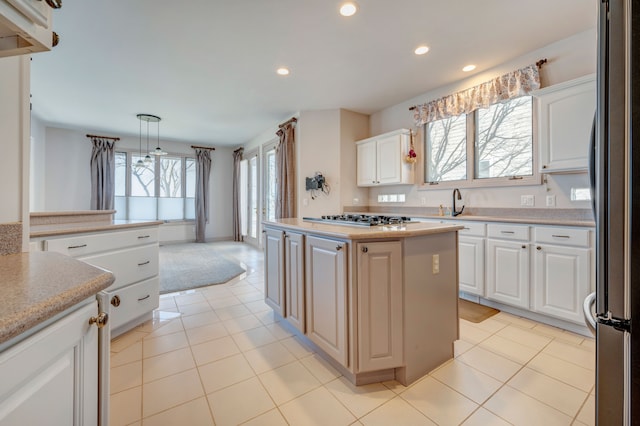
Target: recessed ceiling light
[(421, 50), (469, 68), (283, 71), (348, 8)]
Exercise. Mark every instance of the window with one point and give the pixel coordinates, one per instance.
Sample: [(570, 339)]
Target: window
[(447, 148), (490, 146), (163, 189)]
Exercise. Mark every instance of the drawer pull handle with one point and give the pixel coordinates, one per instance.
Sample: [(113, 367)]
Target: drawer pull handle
[(466, 228), (115, 300), (100, 321), (144, 263), (141, 237), (144, 298), (561, 236), (74, 247), (507, 232)]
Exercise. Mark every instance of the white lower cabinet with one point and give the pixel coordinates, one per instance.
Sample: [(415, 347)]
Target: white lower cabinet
[(471, 264), (561, 273), (51, 378), (133, 258), (326, 296), (294, 279), (508, 264), (274, 270)]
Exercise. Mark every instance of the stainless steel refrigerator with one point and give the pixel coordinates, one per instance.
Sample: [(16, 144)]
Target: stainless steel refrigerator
[(615, 178)]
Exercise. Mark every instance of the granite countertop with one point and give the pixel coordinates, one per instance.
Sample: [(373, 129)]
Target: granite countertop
[(37, 286), (364, 232), (47, 230)]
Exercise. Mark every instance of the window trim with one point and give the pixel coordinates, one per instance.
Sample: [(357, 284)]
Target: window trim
[(471, 181)]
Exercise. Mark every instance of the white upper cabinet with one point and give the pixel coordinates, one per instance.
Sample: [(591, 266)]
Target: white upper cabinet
[(25, 26), (565, 117), (381, 160)]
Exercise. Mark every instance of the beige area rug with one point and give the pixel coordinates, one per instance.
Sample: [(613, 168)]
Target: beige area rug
[(474, 312), (192, 265)]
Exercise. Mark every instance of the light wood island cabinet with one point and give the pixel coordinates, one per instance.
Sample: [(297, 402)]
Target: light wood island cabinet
[(380, 303)]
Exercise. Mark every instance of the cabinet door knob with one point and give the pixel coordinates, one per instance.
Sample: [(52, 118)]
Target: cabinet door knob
[(538, 248), (524, 247), (115, 300), (100, 321), (365, 249), (338, 248)]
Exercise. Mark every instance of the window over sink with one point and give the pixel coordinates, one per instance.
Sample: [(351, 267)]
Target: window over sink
[(491, 146), (162, 189)]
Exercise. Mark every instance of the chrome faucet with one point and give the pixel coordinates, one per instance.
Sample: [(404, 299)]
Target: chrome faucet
[(456, 212)]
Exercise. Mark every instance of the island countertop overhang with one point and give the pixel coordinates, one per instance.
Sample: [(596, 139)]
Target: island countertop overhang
[(355, 232)]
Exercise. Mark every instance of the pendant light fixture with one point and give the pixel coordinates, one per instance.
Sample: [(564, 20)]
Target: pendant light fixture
[(153, 119), (140, 163)]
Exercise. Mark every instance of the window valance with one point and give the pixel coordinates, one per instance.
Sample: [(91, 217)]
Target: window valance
[(508, 86)]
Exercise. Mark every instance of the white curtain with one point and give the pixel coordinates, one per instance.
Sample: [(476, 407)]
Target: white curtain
[(508, 86)]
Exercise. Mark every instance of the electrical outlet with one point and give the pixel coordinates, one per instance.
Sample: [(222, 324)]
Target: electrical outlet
[(551, 200), (527, 200), (435, 263)]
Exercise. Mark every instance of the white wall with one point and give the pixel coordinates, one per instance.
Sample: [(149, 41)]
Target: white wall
[(67, 178), (567, 59), (13, 184), (37, 166)]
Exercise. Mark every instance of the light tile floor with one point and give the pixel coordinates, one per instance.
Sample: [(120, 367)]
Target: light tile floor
[(217, 355)]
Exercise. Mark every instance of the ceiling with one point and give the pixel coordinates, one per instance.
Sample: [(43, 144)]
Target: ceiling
[(207, 67)]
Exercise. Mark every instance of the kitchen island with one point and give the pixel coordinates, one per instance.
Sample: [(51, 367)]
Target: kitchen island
[(379, 302)]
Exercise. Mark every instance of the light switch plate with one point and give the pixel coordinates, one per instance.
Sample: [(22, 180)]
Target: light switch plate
[(527, 200), (551, 200)]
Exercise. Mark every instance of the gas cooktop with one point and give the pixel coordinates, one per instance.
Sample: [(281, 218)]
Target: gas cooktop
[(359, 219)]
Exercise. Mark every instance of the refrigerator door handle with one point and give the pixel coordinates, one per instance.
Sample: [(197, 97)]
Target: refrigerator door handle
[(589, 314)]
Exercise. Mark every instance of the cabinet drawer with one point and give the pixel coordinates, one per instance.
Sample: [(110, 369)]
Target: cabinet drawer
[(81, 245), (508, 232), (129, 265), (564, 236), (472, 228), (133, 301)]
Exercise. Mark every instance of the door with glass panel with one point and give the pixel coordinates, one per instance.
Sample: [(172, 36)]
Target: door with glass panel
[(269, 180), (253, 198)]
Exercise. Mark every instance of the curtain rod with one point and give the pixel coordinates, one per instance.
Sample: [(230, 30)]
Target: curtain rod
[(203, 147), (539, 64), (103, 137), (291, 120)]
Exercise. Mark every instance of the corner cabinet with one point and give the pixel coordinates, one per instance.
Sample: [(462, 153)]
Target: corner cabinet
[(51, 377), (25, 27), (326, 296), (380, 160), (565, 118)]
